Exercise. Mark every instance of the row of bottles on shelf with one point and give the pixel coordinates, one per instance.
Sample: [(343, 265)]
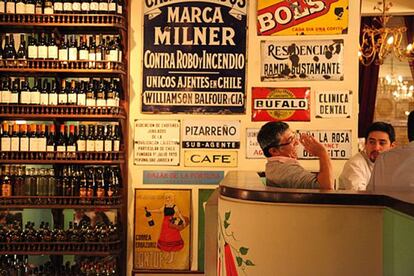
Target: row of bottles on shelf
[(91, 93), (82, 232), (62, 6), (90, 184), (18, 265), (37, 138), (46, 47)]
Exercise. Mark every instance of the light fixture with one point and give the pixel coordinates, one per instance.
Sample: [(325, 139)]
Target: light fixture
[(396, 86), (378, 42)]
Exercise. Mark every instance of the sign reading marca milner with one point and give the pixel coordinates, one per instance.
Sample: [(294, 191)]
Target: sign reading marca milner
[(194, 56), (302, 60)]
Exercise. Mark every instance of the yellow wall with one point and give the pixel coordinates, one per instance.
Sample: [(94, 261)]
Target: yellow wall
[(253, 79)]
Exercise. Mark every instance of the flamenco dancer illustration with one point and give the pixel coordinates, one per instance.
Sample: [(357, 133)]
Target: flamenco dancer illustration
[(170, 240)]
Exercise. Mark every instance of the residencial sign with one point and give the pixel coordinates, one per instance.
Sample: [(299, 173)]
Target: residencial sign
[(211, 134), (302, 60), (157, 142), (333, 104), (281, 104), (216, 158), (183, 177), (298, 17), (253, 150), (194, 57), (337, 142)]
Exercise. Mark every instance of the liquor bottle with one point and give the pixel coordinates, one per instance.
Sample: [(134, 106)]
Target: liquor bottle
[(24, 93), (67, 6), (91, 184), (149, 217), (5, 138), (32, 48), (41, 183), (73, 49), (53, 97), (76, 6), (81, 141), (39, 7), (116, 139), (19, 182), (103, 6), (82, 186), (112, 6), (100, 95), (10, 6), (58, 6), (72, 93), (63, 94), (100, 186), (81, 94), (50, 141), (6, 187), (5, 93), (33, 138), (21, 52), (83, 49), (24, 139), (51, 182), (44, 93), (20, 6), (90, 95), (52, 49), (63, 50), (61, 142), (42, 139), (48, 9), (15, 92), (35, 92), (94, 7), (30, 7), (85, 6), (99, 141), (66, 188), (90, 139), (108, 139), (15, 139), (42, 47), (71, 143), (58, 183)]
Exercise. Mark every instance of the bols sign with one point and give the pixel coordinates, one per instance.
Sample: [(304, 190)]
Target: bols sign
[(194, 56)]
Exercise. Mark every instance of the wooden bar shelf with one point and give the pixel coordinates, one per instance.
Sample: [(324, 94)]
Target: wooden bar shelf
[(61, 248), (63, 20), (67, 111), (60, 202), (55, 157), (57, 66)]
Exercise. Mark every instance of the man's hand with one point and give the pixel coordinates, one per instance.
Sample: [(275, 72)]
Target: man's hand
[(311, 145)]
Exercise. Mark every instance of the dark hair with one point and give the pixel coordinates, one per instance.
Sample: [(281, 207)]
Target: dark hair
[(410, 126), (269, 135), (383, 127)]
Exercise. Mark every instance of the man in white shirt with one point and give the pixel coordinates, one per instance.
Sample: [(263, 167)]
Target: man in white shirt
[(357, 170), (395, 169)]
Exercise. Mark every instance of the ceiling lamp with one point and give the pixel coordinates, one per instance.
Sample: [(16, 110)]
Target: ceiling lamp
[(378, 42), (396, 86)]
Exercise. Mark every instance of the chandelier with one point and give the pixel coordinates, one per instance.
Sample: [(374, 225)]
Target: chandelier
[(377, 42), (396, 86)]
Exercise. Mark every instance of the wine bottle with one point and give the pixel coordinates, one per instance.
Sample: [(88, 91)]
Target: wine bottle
[(58, 6), (67, 6), (15, 139), (85, 6), (15, 92), (100, 52), (44, 93), (10, 6), (81, 141), (30, 7), (5, 94), (71, 143), (52, 49), (76, 6), (83, 49), (9, 50), (94, 7), (42, 139), (6, 187), (73, 49), (32, 48), (99, 139), (100, 95), (5, 138), (63, 50), (39, 7), (33, 138), (24, 139), (35, 92), (90, 94), (20, 6), (50, 141), (81, 94), (108, 139), (120, 7), (116, 139), (51, 181), (53, 97), (103, 6), (100, 185), (61, 142), (2, 10), (72, 93), (148, 216), (48, 9), (112, 6), (19, 182), (90, 139), (21, 52), (42, 47), (25, 93), (63, 94)]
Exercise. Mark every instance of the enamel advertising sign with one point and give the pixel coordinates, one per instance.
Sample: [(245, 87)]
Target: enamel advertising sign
[(302, 60), (194, 58), (333, 104), (281, 104), (302, 17), (337, 142), (253, 150)]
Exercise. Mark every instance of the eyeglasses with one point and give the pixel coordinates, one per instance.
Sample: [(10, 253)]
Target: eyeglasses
[(290, 140)]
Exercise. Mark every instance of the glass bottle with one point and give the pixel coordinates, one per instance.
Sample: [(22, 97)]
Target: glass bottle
[(83, 49), (15, 139), (76, 6), (20, 6), (30, 7), (35, 92), (73, 49), (99, 140), (58, 6), (100, 94), (24, 139), (25, 93), (90, 95), (42, 47), (50, 141), (72, 93), (71, 143), (52, 49), (90, 139), (116, 138), (85, 6), (67, 6), (15, 92), (10, 6), (53, 97), (5, 138), (81, 141), (48, 9), (44, 93), (81, 94), (39, 7), (32, 48), (108, 139), (63, 50), (22, 52), (63, 93), (61, 142)]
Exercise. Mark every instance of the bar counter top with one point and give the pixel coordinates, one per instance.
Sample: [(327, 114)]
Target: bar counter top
[(247, 185)]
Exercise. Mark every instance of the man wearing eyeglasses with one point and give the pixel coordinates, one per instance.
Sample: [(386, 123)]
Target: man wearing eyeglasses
[(279, 144)]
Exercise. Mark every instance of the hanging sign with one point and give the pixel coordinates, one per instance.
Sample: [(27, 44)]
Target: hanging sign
[(302, 60), (333, 104), (157, 142), (281, 104), (299, 17), (211, 134), (253, 150), (194, 56), (337, 142)]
